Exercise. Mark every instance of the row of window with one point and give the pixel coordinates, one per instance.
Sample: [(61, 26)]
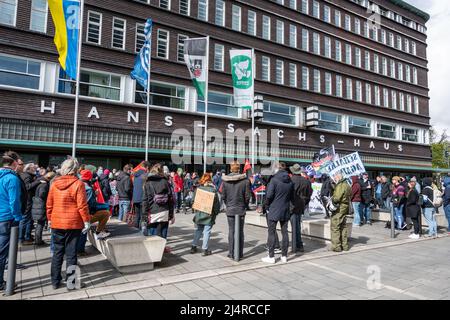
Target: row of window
[(350, 124), (25, 73), (352, 24)]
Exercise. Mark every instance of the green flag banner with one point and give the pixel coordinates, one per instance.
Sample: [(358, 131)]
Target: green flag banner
[(195, 51), (243, 78)]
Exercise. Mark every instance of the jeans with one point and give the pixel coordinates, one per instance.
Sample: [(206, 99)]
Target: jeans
[(366, 212), (296, 219), (38, 232), (284, 237), (388, 203), (138, 212), (356, 213), (25, 227), (65, 242), (379, 199), (5, 234), (277, 241), (158, 229), (231, 222), (447, 215), (124, 207), (206, 231), (430, 217), (398, 215)]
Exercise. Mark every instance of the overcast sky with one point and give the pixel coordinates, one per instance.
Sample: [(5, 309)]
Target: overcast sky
[(438, 59)]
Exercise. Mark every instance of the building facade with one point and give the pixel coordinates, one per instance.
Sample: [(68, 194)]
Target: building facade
[(362, 63)]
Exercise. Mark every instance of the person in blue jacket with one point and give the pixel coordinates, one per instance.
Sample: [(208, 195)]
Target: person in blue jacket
[(10, 206)]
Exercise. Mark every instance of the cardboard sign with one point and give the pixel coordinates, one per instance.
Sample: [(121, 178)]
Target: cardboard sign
[(204, 201)]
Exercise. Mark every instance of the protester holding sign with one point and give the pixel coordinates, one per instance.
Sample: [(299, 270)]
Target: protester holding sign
[(204, 220)]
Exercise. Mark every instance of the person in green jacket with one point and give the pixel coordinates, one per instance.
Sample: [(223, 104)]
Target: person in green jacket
[(341, 199), (204, 221)]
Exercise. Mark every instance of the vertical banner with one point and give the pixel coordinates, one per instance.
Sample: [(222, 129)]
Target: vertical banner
[(195, 56), (242, 73), (66, 17), (142, 64)]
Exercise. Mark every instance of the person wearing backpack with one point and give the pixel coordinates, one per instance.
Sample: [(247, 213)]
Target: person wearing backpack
[(204, 221), (398, 202), (157, 204), (429, 207), (38, 208)]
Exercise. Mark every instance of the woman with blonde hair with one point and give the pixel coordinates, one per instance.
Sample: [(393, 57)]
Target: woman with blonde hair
[(204, 221)]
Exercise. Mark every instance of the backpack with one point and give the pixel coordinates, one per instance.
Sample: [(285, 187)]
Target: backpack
[(437, 197), (161, 199)]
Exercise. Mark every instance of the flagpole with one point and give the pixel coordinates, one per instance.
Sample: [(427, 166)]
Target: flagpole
[(253, 112), (147, 125), (205, 151), (77, 90)]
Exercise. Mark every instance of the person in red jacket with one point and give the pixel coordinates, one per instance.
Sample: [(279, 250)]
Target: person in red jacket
[(356, 201), (178, 188)]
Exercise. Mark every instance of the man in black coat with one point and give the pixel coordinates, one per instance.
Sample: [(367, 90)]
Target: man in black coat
[(28, 177), (236, 194), (280, 193), (366, 198), (302, 196), (125, 191), (386, 193)]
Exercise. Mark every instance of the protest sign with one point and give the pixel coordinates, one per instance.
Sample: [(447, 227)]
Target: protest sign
[(350, 165), (203, 201), (315, 205)]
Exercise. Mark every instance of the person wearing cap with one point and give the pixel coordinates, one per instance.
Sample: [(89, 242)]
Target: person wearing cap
[(68, 217), (236, 195), (302, 196), (338, 224), (38, 209), (366, 198), (103, 180)]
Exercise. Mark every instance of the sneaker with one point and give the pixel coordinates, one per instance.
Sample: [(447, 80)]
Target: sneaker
[(277, 251), (193, 249), (414, 236), (268, 260), (301, 249), (56, 286), (369, 223), (206, 253), (167, 250), (283, 259), (102, 235)]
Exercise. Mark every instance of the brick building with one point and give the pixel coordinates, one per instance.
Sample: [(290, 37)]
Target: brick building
[(362, 63)]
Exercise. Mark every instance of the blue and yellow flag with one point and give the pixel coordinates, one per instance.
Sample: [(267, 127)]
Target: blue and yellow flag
[(65, 14)]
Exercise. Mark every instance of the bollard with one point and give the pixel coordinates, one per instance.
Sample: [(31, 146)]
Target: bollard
[(294, 233), (12, 261), (236, 238), (392, 223)]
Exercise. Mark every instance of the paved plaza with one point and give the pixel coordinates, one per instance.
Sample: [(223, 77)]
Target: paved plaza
[(376, 267)]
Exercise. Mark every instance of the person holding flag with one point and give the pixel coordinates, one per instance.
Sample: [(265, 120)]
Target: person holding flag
[(141, 73)]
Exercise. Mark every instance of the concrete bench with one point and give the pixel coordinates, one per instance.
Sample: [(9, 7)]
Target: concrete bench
[(127, 249), (314, 228), (386, 216)]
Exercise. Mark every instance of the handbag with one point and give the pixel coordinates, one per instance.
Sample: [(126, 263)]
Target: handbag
[(160, 200), (130, 217)]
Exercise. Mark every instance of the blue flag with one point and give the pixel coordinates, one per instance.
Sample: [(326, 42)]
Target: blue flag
[(142, 62)]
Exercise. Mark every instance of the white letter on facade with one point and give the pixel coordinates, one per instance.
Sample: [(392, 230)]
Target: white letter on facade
[(94, 112), (135, 117), (168, 121), (302, 136), (44, 108), (357, 143), (372, 145), (322, 139), (230, 128)]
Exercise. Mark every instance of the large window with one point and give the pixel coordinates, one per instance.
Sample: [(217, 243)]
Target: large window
[(94, 28), (220, 13), (163, 44), (327, 46), (339, 86), (305, 78), (326, 14), (185, 7), (359, 126), (305, 40), (279, 75), (330, 121), (265, 68), (38, 19), (305, 6), (18, 72), (293, 36), (316, 87), (165, 4), (203, 10), (316, 43), (409, 134), (219, 51), (118, 33), (266, 28), (251, 25), (279, 113), (180, 47), (92, 84), (219, 103), (162, 95), (140, 36), (385, 131), (316, 9), (292, 75), (280, 32), (348, 54), (328, 88), (8, 12), (236, 19), (338, 54)]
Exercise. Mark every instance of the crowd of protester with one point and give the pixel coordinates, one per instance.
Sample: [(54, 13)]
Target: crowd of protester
[(68, 199)]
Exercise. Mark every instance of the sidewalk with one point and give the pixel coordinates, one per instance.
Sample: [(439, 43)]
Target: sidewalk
[(101, 278)]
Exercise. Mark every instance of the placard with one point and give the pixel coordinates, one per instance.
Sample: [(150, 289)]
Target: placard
[(350, 165), (204, 201), (315, 205)]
